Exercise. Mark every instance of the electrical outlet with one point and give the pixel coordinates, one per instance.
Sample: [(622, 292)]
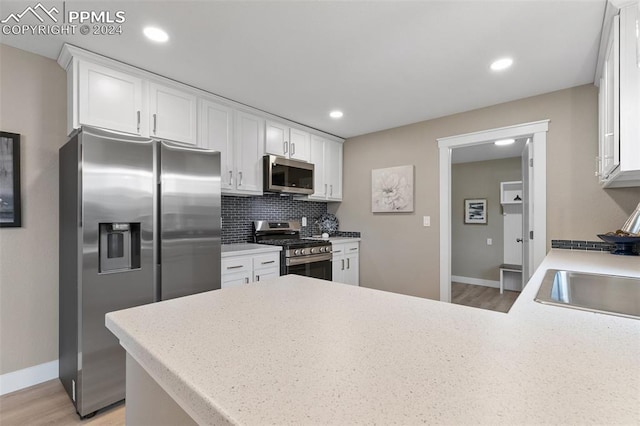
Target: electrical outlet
[(489, 241), (426, 220), (304, 221)]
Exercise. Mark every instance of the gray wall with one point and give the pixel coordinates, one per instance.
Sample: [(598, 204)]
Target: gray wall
[(398, 254), (32, 103), (471, 257)]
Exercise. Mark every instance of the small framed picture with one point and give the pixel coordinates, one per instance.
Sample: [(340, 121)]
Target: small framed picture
[(475, 211), (10, 212)]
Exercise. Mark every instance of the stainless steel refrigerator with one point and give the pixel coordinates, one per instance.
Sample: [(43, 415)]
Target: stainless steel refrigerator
[(139, 223)]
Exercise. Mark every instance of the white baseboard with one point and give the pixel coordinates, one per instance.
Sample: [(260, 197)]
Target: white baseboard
[(475, 281), (16, 380)]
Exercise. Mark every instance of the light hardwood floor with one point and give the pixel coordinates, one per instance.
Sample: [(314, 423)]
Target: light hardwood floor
[(482, 297), (48, 404)]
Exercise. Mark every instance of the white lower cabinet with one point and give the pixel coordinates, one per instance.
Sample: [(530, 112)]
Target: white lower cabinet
[(346, 263), (245, 269)]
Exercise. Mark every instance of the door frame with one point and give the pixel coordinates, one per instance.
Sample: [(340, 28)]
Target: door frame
[(537, 131)]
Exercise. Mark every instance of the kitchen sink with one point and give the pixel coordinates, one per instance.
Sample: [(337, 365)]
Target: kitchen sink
[(606, 294)]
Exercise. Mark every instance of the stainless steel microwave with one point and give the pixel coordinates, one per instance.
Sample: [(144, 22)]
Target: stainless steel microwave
[(287, 176)]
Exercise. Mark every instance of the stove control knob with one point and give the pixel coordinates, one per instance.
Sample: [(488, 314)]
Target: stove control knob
[(296, 252), (313, 250), (323, 249)]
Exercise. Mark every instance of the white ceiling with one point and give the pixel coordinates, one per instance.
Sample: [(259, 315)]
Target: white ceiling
[(383, 63)]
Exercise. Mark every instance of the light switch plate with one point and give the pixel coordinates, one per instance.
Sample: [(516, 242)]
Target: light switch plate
[(489, 241), (304, 221), (426, 220)]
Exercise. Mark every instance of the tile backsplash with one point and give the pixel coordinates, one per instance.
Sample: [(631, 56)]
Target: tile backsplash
[(238, 214), (581, 245)]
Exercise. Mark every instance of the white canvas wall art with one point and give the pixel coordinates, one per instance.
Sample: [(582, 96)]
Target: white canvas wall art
[(392, 189)]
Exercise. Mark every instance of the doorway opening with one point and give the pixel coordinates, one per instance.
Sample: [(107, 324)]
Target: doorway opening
[(532, 137)]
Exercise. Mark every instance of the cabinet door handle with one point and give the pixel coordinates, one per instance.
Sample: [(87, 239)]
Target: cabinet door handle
[(325, 189), (330, 189), (348, 263), (608, 134), (342, 264), (286, 147), (234, 267), (293, 149), (354, 248), (230, 177), (518, 240), (246, 280), (337, 251), (257, 278), (266, 263), (155, 120), (240, 175), (138, 118), (598, 174)]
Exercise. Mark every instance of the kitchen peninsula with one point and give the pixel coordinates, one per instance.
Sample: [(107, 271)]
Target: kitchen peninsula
[(295, 350)]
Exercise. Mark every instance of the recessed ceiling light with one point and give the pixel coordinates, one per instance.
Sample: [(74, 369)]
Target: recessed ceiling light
[(501, 64), (502, 142), (156, 34), (336, 114)]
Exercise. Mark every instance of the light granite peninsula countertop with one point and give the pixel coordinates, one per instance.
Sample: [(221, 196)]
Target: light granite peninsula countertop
[(295, 350), (241, 249)]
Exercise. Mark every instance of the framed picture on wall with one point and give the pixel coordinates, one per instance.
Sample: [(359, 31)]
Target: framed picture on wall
[(475, 211), (10, 211), (392, 190)]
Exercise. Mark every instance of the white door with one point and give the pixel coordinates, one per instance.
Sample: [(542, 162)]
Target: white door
[(318, 159), (216, 133), (277, 139), (527, 212), (249, 136), (299, 145), (352, 271), (173, 114), (109, 99), (333, 171)]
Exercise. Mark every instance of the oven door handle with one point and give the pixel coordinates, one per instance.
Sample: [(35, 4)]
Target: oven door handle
[(293, 261)]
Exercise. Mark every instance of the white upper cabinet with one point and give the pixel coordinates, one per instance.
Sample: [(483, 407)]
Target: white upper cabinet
[(249, 137), (317, 158), (326, 155), (216, 132), (172, 113), (609, 105), (285, 141), (299, 145), (333, 169), (105, 93), (107, 98), (618, 163)]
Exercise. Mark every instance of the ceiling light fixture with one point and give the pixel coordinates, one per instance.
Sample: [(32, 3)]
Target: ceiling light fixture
[(336, 114), (156, 34), (501, 64), (503, 142)]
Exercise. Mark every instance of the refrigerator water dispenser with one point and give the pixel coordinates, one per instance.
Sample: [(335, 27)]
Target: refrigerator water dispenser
[(119, 247)]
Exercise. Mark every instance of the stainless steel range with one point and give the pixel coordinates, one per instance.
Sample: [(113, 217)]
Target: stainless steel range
[(300, 256)]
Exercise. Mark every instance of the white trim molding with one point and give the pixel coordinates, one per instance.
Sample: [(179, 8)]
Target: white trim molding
[(475, 281), (537, 130), (16, 380)]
